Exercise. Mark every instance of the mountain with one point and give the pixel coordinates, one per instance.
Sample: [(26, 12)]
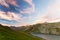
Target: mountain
[(45, 28), (7, 33), (18, 28)]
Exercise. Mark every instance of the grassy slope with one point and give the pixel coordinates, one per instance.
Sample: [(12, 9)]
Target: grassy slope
[(8, 34)]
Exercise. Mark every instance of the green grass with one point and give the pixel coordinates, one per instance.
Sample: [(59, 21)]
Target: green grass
[(7, 34)]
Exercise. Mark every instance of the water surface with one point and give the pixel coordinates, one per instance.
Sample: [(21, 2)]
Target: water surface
[(47, 37)]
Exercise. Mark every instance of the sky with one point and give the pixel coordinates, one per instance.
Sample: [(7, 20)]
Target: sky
[(28, 12)]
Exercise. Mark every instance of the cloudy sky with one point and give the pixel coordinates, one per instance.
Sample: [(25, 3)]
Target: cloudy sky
[(25, 12)]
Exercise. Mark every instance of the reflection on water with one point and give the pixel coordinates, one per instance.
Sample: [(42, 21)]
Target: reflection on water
[(47, 37)]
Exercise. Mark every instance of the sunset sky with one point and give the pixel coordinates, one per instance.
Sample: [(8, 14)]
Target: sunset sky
[(25, 12)]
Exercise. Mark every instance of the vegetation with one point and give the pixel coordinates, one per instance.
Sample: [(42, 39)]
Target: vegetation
[(8, 34)]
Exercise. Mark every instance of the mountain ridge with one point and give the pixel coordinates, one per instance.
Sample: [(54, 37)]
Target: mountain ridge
[(46, 28)]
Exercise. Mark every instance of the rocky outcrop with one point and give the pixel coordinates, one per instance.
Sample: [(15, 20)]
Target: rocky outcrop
[(46, 28)]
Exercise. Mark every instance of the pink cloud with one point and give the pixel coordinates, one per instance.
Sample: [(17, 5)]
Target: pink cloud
[(13, 16), (13, 2), (10, 16), (5, 2)]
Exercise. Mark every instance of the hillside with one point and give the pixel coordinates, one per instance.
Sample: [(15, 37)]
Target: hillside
[(7, 34), (46, 28)]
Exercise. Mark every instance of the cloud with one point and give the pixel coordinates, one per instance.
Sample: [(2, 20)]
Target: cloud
[(10, 16), (52, 13), (13, 2), (5, 24), (54, 10), (4, 16), (29, 10), (5, 2), (2, 2)]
